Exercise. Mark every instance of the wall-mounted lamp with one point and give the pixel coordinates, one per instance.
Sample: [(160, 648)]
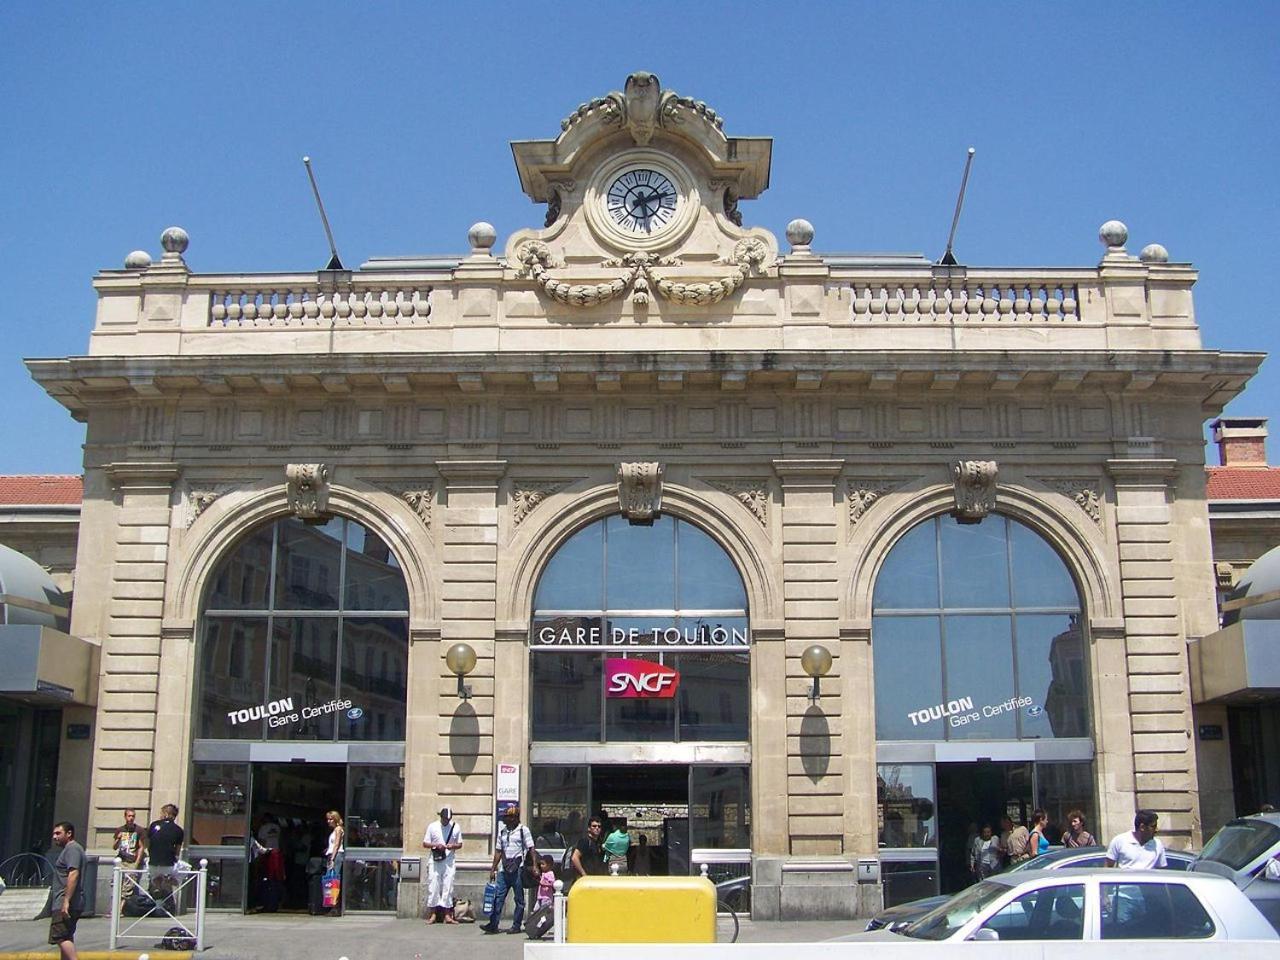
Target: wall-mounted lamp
[(816, 661), (461, 659)]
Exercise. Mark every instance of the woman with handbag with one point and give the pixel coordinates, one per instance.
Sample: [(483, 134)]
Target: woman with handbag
[(334, 854)]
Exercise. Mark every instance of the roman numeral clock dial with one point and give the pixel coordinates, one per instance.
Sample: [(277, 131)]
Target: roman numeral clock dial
[(642, 201)]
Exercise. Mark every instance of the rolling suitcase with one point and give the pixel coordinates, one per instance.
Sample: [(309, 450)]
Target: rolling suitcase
[(540, 922)]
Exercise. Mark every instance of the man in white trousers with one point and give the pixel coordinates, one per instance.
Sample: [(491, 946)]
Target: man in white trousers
[(443, 838)]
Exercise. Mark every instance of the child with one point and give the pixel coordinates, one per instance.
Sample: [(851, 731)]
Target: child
[(546, 882)]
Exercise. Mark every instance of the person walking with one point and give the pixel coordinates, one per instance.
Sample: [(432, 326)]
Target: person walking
[(335, 852), (1038, 843), (1139, 849), (1015, 841), (443, 838), (616, 845), (1076, 835), (990, 854), (130, 846), (515, 843), (588, 857), (164, 848), (66, 892)]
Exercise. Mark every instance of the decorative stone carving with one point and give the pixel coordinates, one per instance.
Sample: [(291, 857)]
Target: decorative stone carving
[(527, 494), (307, 488), (535, 260), (419, 495), (198, 501), (752, 493), (1083, 490), (640, 491), (861, 494), (975, 483), (642, 107)]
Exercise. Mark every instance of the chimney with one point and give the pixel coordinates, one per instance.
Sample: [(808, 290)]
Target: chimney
[(1242, 441)]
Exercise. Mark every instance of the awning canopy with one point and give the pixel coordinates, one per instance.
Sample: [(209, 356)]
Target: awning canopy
[(46, 666), (1238, 664)]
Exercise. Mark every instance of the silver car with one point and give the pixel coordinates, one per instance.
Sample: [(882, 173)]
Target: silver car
[(1089, 904), (1241, 851)]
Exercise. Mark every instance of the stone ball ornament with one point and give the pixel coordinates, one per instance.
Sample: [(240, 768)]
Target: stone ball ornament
[(1154, 253), (482, 236), (175, 240), (1113, 233), (799, 233), (137, 260)]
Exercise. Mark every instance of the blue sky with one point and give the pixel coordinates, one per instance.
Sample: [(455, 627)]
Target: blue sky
[(122, 119)]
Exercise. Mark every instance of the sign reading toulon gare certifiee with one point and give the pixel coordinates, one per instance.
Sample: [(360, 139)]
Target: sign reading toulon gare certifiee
[(595, 632)]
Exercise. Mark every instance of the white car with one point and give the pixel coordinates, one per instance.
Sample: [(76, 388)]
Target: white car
[(1089, 905)]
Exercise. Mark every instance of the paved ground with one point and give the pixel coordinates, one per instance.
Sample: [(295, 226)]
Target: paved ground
[(236, 937)]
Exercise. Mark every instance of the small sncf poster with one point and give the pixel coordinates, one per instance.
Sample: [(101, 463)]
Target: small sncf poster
[(633, 678)]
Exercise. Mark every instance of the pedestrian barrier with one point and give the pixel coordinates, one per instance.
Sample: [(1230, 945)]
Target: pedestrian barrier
[(165, 917), (619, 909)]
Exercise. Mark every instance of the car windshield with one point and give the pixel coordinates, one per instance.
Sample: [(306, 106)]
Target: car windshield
[(944, 920), (1050, 860), (1241, 842)]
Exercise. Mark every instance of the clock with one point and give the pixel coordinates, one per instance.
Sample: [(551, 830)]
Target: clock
[(642, 201)]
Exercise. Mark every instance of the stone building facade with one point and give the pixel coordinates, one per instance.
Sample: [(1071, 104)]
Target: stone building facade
[(849, 434)]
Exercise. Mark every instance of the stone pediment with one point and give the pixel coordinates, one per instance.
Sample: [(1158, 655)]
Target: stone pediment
[(642, 190)]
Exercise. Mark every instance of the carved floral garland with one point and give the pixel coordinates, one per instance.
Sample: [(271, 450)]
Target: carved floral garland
[(535, 260)]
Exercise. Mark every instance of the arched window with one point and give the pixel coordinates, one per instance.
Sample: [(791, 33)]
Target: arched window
[(666, 594), (295, 630), (976, 636)]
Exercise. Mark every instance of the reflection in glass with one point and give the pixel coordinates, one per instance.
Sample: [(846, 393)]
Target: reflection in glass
[(375, 802), (574, 577), (1020, 667), (369, 884), (218, 804), (908, 580), (307, 564), (715, 696), (978, 652), (375, 652), (640, 565), (234, 670), (975, 563), (557, 806), (720, 807), (566, 690), (906, 805), (708, 578), (1051, 671), (317, 652), (907, 655), (304, 667)]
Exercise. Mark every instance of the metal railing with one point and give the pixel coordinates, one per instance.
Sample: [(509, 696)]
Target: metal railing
[(26, 870), (163, 900)]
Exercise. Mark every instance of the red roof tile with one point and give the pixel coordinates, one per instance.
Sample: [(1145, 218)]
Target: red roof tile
[(1243, 483), (35, 490)]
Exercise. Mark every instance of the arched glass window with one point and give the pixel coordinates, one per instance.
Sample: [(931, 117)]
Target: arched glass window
[(976, 636), (290, 631), (666, 594)]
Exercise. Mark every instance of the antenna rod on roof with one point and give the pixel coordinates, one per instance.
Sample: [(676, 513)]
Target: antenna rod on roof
[(949, 258), (334, 262)]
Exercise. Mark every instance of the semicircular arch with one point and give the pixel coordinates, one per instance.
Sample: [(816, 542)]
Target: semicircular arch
[(233, 516), (535, 544), (1079, 543)]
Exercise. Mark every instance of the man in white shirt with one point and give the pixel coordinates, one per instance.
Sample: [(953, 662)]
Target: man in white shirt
[(1139, 849), (443, 838)]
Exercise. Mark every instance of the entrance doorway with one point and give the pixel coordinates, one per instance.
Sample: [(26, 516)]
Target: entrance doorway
[(287, 817), (970, 795)]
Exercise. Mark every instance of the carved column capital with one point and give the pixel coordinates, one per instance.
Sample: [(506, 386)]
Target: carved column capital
[(307, 489), (640, 491), (975, 487), (1142, 472), (142, 475)]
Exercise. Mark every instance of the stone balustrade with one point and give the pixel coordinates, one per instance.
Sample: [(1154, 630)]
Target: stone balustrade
[(270, 305), (976, 299)]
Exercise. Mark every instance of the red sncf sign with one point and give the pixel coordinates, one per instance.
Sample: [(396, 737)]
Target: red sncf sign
[(628, 679)]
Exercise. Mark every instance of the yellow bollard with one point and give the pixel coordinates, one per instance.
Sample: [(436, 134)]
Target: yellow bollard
[(642, 910)]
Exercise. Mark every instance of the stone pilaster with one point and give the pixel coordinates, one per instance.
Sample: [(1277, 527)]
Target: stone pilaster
[(1155, 646), (815, 746), (129, 684), (469, 741)]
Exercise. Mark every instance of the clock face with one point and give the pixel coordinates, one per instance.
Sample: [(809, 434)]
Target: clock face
[(641, 201)]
